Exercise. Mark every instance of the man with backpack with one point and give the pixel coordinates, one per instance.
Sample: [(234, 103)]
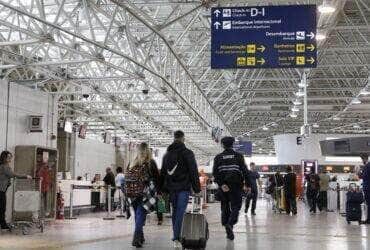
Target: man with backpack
[(313, 188), (232, 175), (179, 175)]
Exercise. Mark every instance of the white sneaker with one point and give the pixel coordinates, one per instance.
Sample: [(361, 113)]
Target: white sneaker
[(177, 244)]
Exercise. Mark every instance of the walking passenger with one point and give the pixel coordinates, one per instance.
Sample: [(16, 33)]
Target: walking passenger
[(313, 188), (141, 179), (254, 176), (290, 190), (109, 180), (324, 186), (6, 173), (179, 175), (231, 175), (366, 183), (120, 179)]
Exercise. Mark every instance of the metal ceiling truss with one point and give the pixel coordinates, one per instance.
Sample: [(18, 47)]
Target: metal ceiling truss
[(98, 56)]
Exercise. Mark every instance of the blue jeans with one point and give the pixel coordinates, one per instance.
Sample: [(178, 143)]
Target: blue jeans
[(179, 202), (140, 217)]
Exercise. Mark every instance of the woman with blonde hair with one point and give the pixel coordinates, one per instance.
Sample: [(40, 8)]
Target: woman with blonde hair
[(141, 180)]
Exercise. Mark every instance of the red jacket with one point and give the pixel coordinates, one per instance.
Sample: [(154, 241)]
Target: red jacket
[(43, 173)]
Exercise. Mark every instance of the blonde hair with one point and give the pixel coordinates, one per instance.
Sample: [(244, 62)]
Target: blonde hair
[(144, 155)]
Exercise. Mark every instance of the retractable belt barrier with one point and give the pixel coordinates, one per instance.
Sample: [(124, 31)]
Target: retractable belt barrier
[(109, 198)]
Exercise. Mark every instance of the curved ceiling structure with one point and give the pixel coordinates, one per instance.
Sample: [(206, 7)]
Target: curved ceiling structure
[(141, 69)]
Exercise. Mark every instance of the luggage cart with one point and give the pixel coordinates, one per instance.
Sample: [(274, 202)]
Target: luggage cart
[(27, 212)]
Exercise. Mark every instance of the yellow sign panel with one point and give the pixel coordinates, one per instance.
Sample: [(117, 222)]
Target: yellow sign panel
[(251, 48), (251, 61), (300, 47), (301, 60), (241, 61)]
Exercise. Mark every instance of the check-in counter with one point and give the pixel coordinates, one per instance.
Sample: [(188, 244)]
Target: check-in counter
[(81, 196)]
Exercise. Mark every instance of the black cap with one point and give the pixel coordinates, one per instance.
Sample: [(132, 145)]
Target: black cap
[(228, 141)]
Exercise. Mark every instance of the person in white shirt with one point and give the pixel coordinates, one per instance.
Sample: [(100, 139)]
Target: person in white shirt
[(120, 179)]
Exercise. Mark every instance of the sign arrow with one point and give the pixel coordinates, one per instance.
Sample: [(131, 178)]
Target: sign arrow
[(311, 47), (261, 61), (217, 25), (311, 35), (311, 60), (217, 12), (261, 48)]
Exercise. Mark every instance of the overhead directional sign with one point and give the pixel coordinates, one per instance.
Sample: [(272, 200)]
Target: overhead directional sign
[(264, 37), (243, 147)]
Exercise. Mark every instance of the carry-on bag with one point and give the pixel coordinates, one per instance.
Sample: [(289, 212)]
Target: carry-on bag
[(364, 211), (353, 206), (194, 231), (161, 206)]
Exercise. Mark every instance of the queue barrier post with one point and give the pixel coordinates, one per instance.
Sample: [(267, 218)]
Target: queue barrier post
[(109, 199), (71, 204)]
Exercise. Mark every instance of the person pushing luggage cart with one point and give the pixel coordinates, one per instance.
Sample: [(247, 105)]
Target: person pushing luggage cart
[(231, 175), (6, 173)]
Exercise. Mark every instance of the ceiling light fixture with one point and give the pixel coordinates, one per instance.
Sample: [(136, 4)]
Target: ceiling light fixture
[(315, 125), (295, 109), (293, 115), (335, 118), (301, 84), (297, 102), (299, 93), (356, 126), (326, 8), (356, 101), (265, 128), (320, 37), (364, 92)]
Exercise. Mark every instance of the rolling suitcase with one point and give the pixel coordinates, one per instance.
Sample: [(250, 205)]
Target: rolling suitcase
[(353, 206), (364, 212), (194, 231)]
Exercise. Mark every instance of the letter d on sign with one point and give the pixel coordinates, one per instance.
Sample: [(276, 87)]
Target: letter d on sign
[(255, 12)]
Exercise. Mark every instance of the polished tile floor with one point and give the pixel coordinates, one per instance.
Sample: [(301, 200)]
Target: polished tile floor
[(264, 231)]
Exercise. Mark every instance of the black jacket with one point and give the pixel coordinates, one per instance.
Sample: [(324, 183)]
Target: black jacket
[(290, 184), (229, 168), (179, 170), (109, 179)]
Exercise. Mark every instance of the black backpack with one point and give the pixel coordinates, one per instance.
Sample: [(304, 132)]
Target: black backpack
[(173, 162)]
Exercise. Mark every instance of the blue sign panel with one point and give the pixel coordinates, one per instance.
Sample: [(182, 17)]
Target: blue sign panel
[(243, 147), (264, 37)]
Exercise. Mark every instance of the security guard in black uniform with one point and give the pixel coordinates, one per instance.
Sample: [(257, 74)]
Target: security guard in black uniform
[(231, 175)]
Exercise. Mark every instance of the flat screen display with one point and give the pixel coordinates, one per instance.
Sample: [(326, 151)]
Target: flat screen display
[(341, 146)]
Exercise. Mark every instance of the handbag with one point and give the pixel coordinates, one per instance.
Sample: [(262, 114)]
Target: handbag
[(161, 205)]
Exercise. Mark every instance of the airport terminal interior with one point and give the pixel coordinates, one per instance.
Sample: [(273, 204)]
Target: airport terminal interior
[(94, 92)]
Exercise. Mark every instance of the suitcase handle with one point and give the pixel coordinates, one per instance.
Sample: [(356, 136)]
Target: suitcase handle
[(193, 204)]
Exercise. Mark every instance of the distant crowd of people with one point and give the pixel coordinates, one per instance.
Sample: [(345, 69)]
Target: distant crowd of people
[(144, 185)]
